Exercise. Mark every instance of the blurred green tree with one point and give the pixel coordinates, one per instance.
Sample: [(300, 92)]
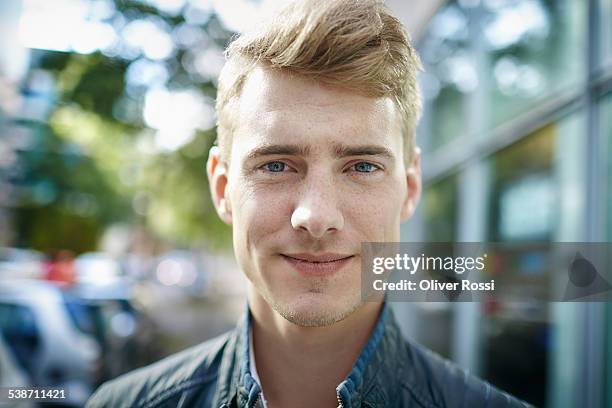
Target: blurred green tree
[(114, 171), (64, 200)]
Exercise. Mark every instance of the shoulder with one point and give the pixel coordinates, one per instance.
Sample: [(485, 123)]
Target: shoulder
[(151, 385), (444, 384)]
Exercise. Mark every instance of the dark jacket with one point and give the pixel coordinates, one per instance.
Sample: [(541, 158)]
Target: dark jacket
[(390, 372)]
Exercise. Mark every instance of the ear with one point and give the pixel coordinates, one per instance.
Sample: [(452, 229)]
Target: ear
[(413, 182), (217, 171)]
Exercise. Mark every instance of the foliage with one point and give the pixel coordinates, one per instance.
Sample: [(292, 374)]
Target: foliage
[(64, 200), (95, 147)]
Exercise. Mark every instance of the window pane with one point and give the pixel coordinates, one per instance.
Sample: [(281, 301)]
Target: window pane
[(606, 127), (523, 177), (444, 51), (439, 206), (606, 31), (440, 210), (521, 209), (528, 179), (534, 49), (486, 64)]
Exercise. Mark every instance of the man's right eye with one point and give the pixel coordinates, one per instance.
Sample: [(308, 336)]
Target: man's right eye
[(274, 167)]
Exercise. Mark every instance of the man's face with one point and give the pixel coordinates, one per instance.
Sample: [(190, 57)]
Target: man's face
[(314, 172)]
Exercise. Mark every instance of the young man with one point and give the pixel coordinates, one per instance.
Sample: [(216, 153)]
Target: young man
[(317, 111)]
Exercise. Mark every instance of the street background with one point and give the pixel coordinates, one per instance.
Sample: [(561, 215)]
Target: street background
[(111, 254)]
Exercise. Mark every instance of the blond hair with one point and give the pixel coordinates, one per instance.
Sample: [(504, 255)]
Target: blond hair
[(354, 44)]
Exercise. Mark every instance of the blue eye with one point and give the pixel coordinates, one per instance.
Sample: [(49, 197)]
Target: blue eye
[(275, 166), (365, 167)]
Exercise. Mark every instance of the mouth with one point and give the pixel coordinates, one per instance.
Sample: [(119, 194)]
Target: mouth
[(317, 264)]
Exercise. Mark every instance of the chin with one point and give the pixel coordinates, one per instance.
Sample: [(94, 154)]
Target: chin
[(316, 309)]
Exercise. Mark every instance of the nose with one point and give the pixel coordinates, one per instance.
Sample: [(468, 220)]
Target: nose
[(317, 211)]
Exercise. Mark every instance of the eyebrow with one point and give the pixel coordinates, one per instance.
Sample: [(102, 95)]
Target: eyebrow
[(362, 150), (268, 150), (340, 151)]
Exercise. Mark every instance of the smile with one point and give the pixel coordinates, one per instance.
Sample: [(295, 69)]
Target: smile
[(317, 265)]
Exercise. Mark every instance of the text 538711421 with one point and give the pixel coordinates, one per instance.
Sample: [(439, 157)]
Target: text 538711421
[(8, 394)]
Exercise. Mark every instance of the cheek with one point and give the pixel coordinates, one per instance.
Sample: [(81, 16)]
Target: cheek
[(376, 213), (258, 212)]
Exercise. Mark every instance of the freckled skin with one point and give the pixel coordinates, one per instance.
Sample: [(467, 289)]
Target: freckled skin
[(314, 201)]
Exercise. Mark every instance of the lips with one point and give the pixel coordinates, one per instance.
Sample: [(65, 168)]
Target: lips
[(317, 264)]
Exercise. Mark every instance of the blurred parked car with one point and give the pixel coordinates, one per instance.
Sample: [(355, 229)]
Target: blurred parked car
[(97, 268), (47, 339), (16, 263), (127, 336), (10, 373)]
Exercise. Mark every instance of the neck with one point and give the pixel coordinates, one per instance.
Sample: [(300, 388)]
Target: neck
[(301, 366)]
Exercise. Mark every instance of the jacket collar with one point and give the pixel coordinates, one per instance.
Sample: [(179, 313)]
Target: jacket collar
[(235, 385), (369, 383), (351, 389), (375, 377)]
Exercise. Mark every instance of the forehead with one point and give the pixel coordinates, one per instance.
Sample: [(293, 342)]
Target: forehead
[(278, 107)]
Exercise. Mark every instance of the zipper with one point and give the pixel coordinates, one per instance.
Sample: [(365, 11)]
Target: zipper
[(339, 401), (257, 400)]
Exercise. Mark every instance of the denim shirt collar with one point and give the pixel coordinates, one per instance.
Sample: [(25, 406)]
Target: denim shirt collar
[(350, 391), (249, 389)]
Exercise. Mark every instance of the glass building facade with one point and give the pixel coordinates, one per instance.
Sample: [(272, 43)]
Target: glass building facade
[(517, 140)]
